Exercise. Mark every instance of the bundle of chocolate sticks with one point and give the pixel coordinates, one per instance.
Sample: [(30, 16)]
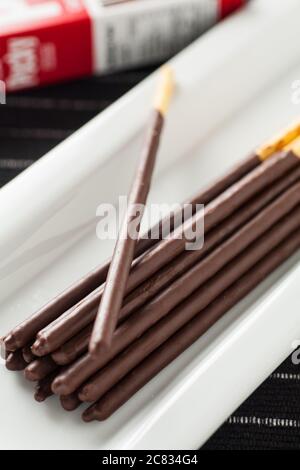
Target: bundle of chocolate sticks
[(157, 298)]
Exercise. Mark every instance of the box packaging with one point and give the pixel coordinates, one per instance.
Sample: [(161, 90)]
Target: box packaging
[(46, 41)]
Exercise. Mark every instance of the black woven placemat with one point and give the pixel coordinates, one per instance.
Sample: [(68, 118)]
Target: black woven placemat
[(33, 122)]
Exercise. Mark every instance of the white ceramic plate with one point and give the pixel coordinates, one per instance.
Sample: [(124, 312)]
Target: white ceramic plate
[(233, 92)]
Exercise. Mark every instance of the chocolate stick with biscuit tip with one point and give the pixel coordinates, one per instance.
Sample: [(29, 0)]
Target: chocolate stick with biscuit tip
[(77, 345), (271, 171), (185, 337), (110, 375), (113, 293), (74, 375), (25, 332)]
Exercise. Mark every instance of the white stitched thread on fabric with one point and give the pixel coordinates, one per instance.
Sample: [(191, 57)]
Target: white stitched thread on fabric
[(269, 422), (285, 376), (14, 164), (59, 104), (56, 134)]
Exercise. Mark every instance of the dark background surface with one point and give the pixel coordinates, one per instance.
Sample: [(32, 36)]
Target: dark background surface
[(33, 122)]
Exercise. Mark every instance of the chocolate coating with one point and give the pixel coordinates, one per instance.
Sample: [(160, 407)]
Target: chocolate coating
[(28, 354), (15, 361), (43, 388), (162, 304), (115, 285), (110, 375), (70, 402), (185, 337), (26, 331), (40, 368), (77, 345), (165, 251)]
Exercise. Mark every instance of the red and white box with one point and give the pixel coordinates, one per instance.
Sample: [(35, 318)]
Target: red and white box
[(46, 41)]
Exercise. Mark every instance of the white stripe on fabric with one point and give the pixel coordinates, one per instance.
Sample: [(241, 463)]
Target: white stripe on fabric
[(285, 376), (14, 164), (268, 422)]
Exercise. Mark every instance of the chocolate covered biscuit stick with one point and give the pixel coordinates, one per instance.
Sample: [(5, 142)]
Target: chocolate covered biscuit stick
[(26, 331), (185, 337), (279, 142), (43, 387), (166, 250), (161, 305), (73, 348), (262, 153), (110, 375), (40, 368), (113, 293), (70, 402), (15, 361), (28, 354), (79, 343)]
